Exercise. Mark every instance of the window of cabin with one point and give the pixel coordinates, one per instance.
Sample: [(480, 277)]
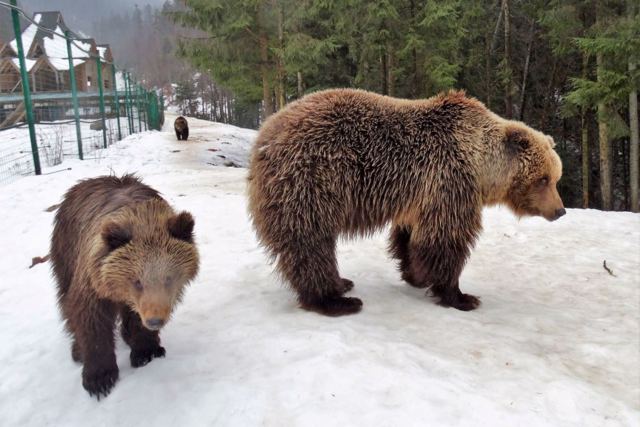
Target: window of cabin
[(89, 81), (106, 83)]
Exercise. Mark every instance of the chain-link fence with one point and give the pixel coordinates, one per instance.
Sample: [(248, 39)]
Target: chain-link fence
[(62, 96)]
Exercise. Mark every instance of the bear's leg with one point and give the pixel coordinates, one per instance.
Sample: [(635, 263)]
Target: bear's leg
[(178, 134), (93, 322), (311, 268), (76, 353), (399, 248), (442, 262), (185, 134), (144, 343)]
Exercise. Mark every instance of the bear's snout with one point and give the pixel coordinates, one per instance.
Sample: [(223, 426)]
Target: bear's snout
[(560, 212), (154, 324)]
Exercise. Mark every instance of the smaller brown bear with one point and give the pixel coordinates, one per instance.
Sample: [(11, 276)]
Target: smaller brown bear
[(119, 249), (182, 128)]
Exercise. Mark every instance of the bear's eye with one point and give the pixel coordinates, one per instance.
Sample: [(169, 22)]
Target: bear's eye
[(137, 285), (543, 182)]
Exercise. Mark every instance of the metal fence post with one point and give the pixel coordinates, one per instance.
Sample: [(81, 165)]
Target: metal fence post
[(145, 103), (101, 92), (127, 87), (74, 94), (28, 107), (137, 86), (116, 99), (161, 110)]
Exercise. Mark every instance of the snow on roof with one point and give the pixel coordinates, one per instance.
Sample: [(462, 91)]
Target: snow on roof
[(27, 35), (102, 51), (53, 44), (56, 49), (29, 63)]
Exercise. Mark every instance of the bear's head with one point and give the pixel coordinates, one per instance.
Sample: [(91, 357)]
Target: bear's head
[(147, 256), (536, 169)]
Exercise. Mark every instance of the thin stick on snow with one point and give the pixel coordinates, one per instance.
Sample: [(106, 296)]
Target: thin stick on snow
[(604, 264)]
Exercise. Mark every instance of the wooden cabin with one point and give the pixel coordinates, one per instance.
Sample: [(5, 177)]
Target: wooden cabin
[(46, 59)]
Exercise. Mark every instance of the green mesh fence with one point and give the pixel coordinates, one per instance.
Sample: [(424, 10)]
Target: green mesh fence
[(62, 96)]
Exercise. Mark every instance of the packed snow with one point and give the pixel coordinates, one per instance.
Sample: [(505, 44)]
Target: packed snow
[(57, 140), (556, 340)]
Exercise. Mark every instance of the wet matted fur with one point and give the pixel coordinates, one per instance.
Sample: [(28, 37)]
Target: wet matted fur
[(348, 162), (119, 250)]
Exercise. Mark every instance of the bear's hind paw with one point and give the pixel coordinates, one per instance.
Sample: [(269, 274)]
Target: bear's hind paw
[(335, 306), (464, 302)]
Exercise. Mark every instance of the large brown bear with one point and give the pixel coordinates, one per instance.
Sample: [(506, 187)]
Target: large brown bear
[(348, 162), (119, 249)]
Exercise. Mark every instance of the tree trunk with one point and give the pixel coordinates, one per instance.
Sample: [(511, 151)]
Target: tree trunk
[(586, 169), (603, 136), (525, 72), (300, 87), (383, 72), (508, 111), (263, 41), (414, 57), (281, 69), (391, 87), (633, 126)]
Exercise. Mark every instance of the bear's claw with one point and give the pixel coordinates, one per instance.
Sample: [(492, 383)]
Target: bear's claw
[(142, 357), (99, 381), (346, 285)]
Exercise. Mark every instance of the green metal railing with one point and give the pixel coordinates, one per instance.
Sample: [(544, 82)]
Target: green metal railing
[(65, 110)]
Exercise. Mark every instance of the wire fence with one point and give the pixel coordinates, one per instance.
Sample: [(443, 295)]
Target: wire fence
[(62, 96)]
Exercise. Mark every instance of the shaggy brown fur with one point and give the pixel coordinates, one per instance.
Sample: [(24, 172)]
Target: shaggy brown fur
[(119, 249), (349, 162), (182, 128)]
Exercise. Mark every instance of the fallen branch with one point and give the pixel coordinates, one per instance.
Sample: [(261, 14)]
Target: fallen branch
[(604, 264)]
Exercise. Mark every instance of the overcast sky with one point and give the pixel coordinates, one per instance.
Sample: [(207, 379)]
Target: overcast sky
[(82, 13)]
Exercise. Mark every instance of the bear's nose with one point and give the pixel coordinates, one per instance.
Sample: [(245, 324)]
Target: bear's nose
[(154, 323), (560, 212)]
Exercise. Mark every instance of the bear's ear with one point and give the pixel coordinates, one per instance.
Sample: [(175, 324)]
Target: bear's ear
[(181, 226), (516, 141), (116, 235), (551, 141)]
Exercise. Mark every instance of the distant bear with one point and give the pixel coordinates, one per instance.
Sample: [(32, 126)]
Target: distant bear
[(182, 128), (348, 162), (119, 249)]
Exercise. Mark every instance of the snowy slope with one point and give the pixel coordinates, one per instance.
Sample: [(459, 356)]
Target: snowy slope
[(555, 342)]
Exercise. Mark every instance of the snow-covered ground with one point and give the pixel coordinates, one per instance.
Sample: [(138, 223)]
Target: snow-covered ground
[(56, 141), (555, 342)]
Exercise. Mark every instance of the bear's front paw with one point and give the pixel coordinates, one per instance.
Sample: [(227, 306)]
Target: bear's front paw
[(460, 301), (143, 356), (99, 380)]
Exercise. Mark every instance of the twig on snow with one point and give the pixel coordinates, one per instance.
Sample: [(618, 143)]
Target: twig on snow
[(604, 264)]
